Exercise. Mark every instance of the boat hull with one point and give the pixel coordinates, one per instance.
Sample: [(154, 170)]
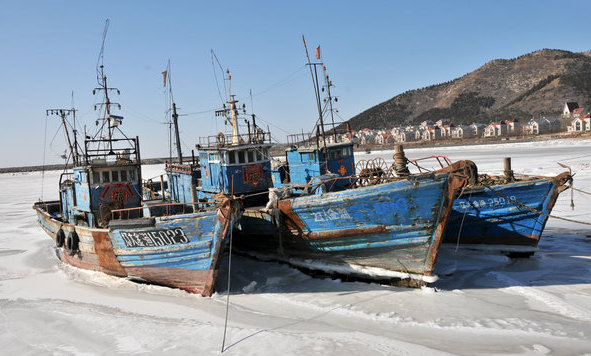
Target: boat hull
[(387, 230), (180, 251), (486, 218)]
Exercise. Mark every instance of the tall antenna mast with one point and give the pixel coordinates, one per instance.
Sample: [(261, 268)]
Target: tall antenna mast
[(175, 116), (234, 111), (328, 84), (102, 82), (314, 74), (63, 115)]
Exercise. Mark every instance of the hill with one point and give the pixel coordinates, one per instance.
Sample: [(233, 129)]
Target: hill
[(532, 85)]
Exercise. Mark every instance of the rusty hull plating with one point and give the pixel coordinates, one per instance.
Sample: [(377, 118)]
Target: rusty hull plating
[(190, 264), (509, 217), (392, 228)]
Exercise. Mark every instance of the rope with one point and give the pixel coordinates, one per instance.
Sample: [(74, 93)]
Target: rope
[(463, 217), (229, 273), (580, 191), (520, 205)]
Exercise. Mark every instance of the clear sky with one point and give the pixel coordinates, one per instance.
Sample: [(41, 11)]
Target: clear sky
[(373, 50)]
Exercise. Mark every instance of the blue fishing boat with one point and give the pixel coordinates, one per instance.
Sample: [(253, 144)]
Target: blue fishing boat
[(321, 215), (502, 213), (507, 217), (236, 164), (101, 222)]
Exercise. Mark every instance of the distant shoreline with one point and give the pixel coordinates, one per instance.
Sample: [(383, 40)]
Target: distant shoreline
[(360, 148)]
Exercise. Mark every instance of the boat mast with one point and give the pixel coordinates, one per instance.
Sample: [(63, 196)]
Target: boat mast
[(175, 121), (175, 116), (232, 102), (103, 87), (314, 74), (63, 114), (328, 85)]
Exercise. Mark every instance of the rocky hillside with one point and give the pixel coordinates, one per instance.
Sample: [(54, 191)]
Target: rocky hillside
[(535, 84)]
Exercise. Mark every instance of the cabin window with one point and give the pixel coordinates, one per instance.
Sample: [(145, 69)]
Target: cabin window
[(213, 157), (241, 157), (115, 176), (232, 157), (259, 155), (250, 154), (105, 177), (131, 176), (96, 177), (124, 176)]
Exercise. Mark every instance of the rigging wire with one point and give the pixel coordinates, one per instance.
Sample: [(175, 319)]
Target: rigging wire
[(288, 79), (213, 56)]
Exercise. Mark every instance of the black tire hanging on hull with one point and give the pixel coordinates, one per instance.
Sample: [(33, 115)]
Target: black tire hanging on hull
[(72, 242), (60, 238)]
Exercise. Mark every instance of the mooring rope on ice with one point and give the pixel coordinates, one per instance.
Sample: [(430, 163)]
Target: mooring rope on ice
[(229, 271)]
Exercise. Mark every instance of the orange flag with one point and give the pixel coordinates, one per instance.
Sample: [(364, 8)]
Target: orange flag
[(318, 52), (164, 77)]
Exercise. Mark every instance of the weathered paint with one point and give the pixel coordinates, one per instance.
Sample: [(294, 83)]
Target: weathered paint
[(395, 226), (190, 266), (306, 163), (482, 216)]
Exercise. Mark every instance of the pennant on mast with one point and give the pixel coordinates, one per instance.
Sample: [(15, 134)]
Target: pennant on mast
[(164, 74)]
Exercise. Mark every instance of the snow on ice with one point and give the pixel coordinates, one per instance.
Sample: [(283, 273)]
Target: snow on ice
[(481, 303)]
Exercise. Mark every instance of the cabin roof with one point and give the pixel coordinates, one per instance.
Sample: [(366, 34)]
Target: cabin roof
[(234, 147), (304, 149)]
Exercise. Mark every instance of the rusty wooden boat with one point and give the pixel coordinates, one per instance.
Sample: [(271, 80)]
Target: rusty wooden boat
[(323, 215), (388, 231), (505, 213), (102, 223)]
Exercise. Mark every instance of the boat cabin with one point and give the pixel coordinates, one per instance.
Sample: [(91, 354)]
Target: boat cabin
[(106, 179), (306, 160)]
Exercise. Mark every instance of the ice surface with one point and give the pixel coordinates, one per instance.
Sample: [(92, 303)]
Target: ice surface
[(482, 303)]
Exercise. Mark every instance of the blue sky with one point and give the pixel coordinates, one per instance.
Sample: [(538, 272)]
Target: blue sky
[(373, 50)]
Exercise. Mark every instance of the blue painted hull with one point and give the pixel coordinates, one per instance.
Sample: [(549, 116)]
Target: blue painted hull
[(487, 219), (180, 251), (387, 230)]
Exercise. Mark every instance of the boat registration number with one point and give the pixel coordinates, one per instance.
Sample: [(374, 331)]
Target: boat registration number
[(483, 203), (160, 237)]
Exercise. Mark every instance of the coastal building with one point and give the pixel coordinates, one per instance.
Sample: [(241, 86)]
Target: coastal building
[(580, 124), (513, 127), (478, 129), (463, 131), (496, 129), (406, 136), (569, 108), (542, 126)]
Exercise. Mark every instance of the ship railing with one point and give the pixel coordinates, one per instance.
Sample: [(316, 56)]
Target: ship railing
[(443, 162), (183, 168), (224, 140), (120, 150), (334, 134), (169, 209)]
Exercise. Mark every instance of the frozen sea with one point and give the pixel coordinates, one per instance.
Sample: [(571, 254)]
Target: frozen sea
[(483, 303)]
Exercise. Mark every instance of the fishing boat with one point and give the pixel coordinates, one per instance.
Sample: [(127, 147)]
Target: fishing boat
[(102, 223), (322, 216), (505, 213)]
